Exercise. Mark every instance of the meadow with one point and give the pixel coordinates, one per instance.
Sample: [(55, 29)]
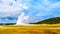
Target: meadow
[(33, 29)]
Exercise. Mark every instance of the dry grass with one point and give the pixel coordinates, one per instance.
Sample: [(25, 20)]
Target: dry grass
[(34, 29)]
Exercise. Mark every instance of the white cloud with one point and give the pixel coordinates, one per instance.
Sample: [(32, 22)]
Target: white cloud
[(12, 11), (25, 7), (54, 5), (8, 10)]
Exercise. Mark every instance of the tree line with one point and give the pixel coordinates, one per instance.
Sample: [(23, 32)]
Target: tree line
[(55, 20)]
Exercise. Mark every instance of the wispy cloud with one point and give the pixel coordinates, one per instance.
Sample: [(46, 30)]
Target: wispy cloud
[(46, 10)]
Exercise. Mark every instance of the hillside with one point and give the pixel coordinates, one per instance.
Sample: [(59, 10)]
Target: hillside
[(55, 20)]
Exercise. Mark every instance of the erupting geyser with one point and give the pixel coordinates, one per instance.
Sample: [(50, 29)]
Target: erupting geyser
[(22, 20)]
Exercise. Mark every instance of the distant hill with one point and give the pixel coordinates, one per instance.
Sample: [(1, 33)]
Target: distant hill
[(54, 20)]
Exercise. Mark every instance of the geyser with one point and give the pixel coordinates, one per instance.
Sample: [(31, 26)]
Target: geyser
[(22, 19)]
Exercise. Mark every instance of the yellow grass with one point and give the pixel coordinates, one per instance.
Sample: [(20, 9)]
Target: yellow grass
[(34, 29)]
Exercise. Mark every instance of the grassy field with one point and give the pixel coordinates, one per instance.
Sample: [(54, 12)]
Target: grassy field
[(34, 29)]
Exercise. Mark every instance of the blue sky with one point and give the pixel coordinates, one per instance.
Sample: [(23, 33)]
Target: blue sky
[(37, 10)]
